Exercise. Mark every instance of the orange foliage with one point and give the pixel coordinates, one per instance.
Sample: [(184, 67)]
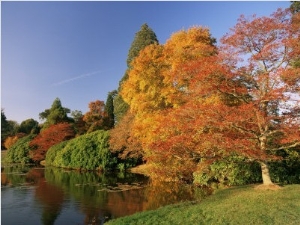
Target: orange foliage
[(96, 117), (122, 141), (247, 110), (192, 105), (161, 77), (49, 137), (10, 141)]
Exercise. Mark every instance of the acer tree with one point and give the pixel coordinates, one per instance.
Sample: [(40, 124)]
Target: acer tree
[(258, 52), (46, 138)]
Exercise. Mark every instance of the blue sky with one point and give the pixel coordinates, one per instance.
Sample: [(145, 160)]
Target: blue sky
[(77, 51)]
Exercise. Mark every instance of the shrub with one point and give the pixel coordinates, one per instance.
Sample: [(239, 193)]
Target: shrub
[(89, 152), (47, 138), (286, 171), (19, 152), (230, 171)]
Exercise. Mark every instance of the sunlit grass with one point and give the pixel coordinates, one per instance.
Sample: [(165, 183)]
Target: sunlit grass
[(238, 205)]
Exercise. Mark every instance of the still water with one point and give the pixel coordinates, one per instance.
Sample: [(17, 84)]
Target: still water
[(47, 196)]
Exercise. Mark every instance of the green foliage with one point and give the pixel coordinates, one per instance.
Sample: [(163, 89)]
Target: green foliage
[(109, 109), (4, 127), (286, 171), (145, 36), (29, 126), (56, 114), (120, 108), (231, 171), (8, 128), (19, 152), (15, 174), (295, 7), (126, 163), (87, 152)]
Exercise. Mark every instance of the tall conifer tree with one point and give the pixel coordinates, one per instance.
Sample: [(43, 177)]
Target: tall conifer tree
[(144, 37)]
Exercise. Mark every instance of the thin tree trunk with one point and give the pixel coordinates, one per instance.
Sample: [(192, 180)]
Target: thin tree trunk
[(265, 173)]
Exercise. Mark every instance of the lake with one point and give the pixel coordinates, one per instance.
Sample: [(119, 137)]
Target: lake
[(47, 196)]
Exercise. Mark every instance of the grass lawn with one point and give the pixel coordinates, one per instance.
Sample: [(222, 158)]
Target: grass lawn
[(238, 205)]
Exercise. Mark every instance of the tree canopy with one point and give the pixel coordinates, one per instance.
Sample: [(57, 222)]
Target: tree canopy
[(56, 114)]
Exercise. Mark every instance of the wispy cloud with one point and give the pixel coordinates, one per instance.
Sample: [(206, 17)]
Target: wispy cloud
[(77, 78)]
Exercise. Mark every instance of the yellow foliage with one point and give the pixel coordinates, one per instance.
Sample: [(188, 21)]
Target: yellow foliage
[(160, 77)]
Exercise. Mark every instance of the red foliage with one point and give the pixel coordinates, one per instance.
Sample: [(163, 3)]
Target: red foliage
[(238, 103), (49, 137)]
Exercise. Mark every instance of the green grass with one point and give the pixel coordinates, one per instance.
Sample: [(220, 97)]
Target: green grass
[(239, 205)]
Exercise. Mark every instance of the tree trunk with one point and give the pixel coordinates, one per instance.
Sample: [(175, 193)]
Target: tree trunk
[(265, 173)]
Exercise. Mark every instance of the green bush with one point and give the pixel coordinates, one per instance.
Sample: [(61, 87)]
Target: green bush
[(88, 152), (286, 171), (19, 152), (230, 171)]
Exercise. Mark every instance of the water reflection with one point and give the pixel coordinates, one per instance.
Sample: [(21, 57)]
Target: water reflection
[(58, 196)]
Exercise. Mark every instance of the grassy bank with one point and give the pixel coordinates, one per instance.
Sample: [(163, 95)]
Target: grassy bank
[(238, 205)]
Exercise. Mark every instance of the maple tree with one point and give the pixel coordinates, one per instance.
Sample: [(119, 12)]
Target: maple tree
[(269, 121), (46, 138)]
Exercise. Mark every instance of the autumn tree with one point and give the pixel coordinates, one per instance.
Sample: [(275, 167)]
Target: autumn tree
[(209, 107), (96, 116), (160, 79), (48, 137), (269, 120), (11, 140), (144, 37), (240, 103), (56, 114), (187, 134), (123, 142)]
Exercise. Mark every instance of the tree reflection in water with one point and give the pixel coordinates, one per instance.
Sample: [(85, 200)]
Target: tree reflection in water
[(97, 197)]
